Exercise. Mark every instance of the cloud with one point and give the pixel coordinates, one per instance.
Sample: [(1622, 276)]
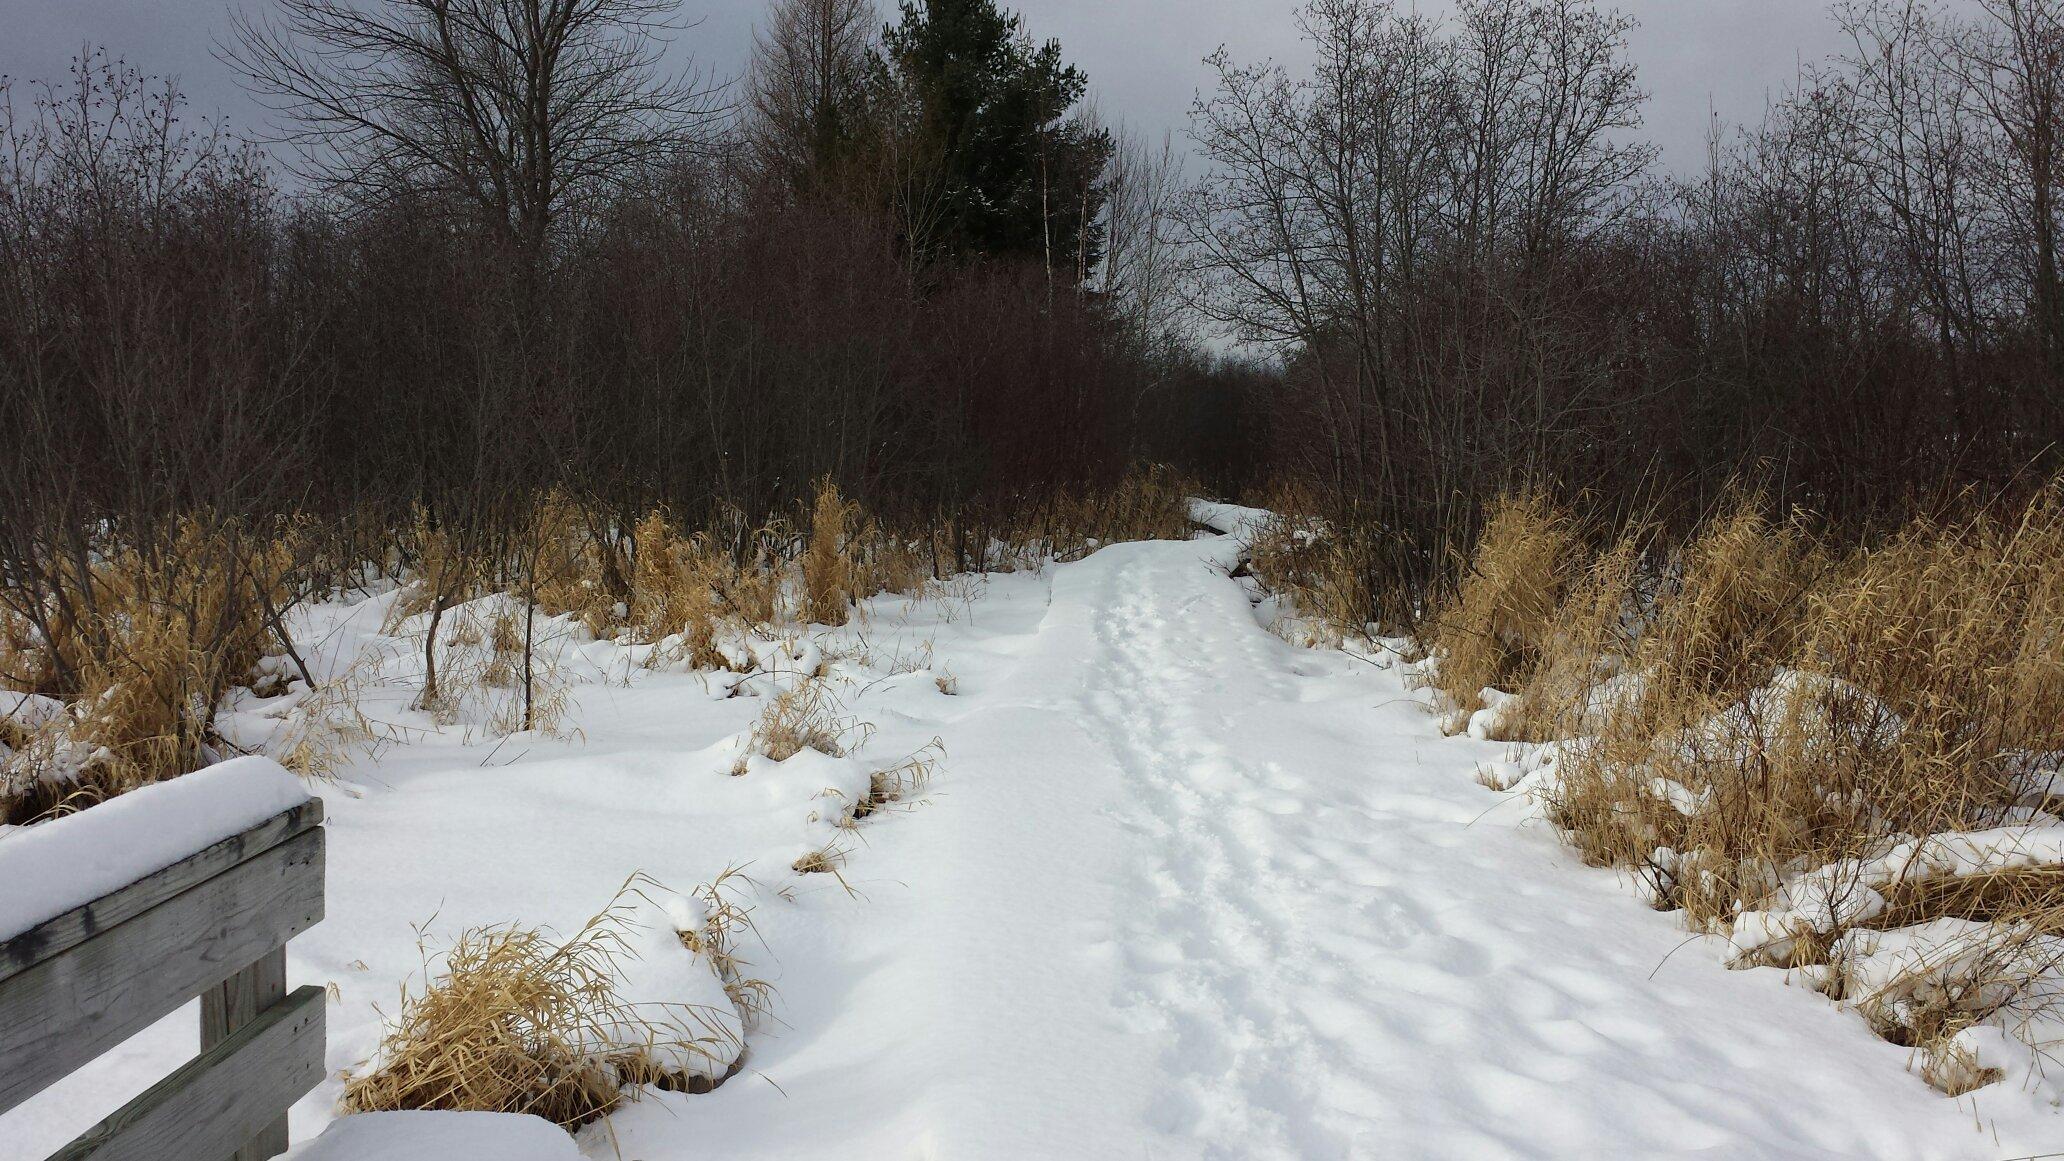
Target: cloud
[(1144, 57)]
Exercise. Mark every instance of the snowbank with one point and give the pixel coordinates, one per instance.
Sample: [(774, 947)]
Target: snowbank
[(36, 744), (1501, 712), (55, 866), (439, 1137), (1229, 519), (1933, 961)]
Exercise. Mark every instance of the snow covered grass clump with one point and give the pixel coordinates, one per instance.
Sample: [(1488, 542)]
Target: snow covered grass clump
[(805, 715), (1839, 757), (648, 991), (854, 793)]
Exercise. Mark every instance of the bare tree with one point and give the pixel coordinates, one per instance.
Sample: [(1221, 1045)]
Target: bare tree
[(1580, 99), (528, 111), (1918, 155), (1490, 77), (1138, 279), (2012, 66), (808, 85)]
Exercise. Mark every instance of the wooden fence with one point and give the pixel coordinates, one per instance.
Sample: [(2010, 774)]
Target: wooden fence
[(213, 925)]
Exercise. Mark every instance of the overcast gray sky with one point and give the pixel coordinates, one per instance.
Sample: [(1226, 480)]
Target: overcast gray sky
[(1143, 56)]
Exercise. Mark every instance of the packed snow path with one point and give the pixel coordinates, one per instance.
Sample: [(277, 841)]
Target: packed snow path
[(1180, 890), (1190, 891)]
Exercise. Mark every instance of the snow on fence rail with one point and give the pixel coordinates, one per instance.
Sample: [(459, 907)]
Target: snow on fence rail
[(118, 915)]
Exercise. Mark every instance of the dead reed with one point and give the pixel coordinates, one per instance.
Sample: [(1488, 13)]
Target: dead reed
[(1498, 631), (828, 565), (141, 643), (1755, 722)]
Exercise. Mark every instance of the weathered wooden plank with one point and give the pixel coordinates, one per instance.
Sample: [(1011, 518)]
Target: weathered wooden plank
[(221, 1098), (239, 999), (80, 924), (229, 1006), (67, 1010)]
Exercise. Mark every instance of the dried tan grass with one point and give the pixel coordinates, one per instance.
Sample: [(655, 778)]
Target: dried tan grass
[(1498, 630), (327, 730), (674, 589), (484, 659), (1738, 609), (806, 716), (143, 646), (2009, 973), (1731, 612), (1795, 705), (439, 568), (1588, 641), (516, 1021), (825, 860), (1067, 523), (750, 580), (901, 782), (1320, 571), (1147, 503), (888, 562), (576, 566), (504, 1028), (729, 921), (828, 559)]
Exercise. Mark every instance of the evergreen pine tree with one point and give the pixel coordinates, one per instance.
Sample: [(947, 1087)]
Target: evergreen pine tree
[(1019, 178)]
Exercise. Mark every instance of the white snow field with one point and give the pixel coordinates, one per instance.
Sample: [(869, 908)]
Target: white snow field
[(1177, 890)]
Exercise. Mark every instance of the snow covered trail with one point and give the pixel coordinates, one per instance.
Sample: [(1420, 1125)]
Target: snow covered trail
[(1179, 890), (1192, 892)]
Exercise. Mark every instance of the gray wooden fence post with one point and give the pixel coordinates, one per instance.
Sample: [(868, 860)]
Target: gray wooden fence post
[(234, 1003)]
